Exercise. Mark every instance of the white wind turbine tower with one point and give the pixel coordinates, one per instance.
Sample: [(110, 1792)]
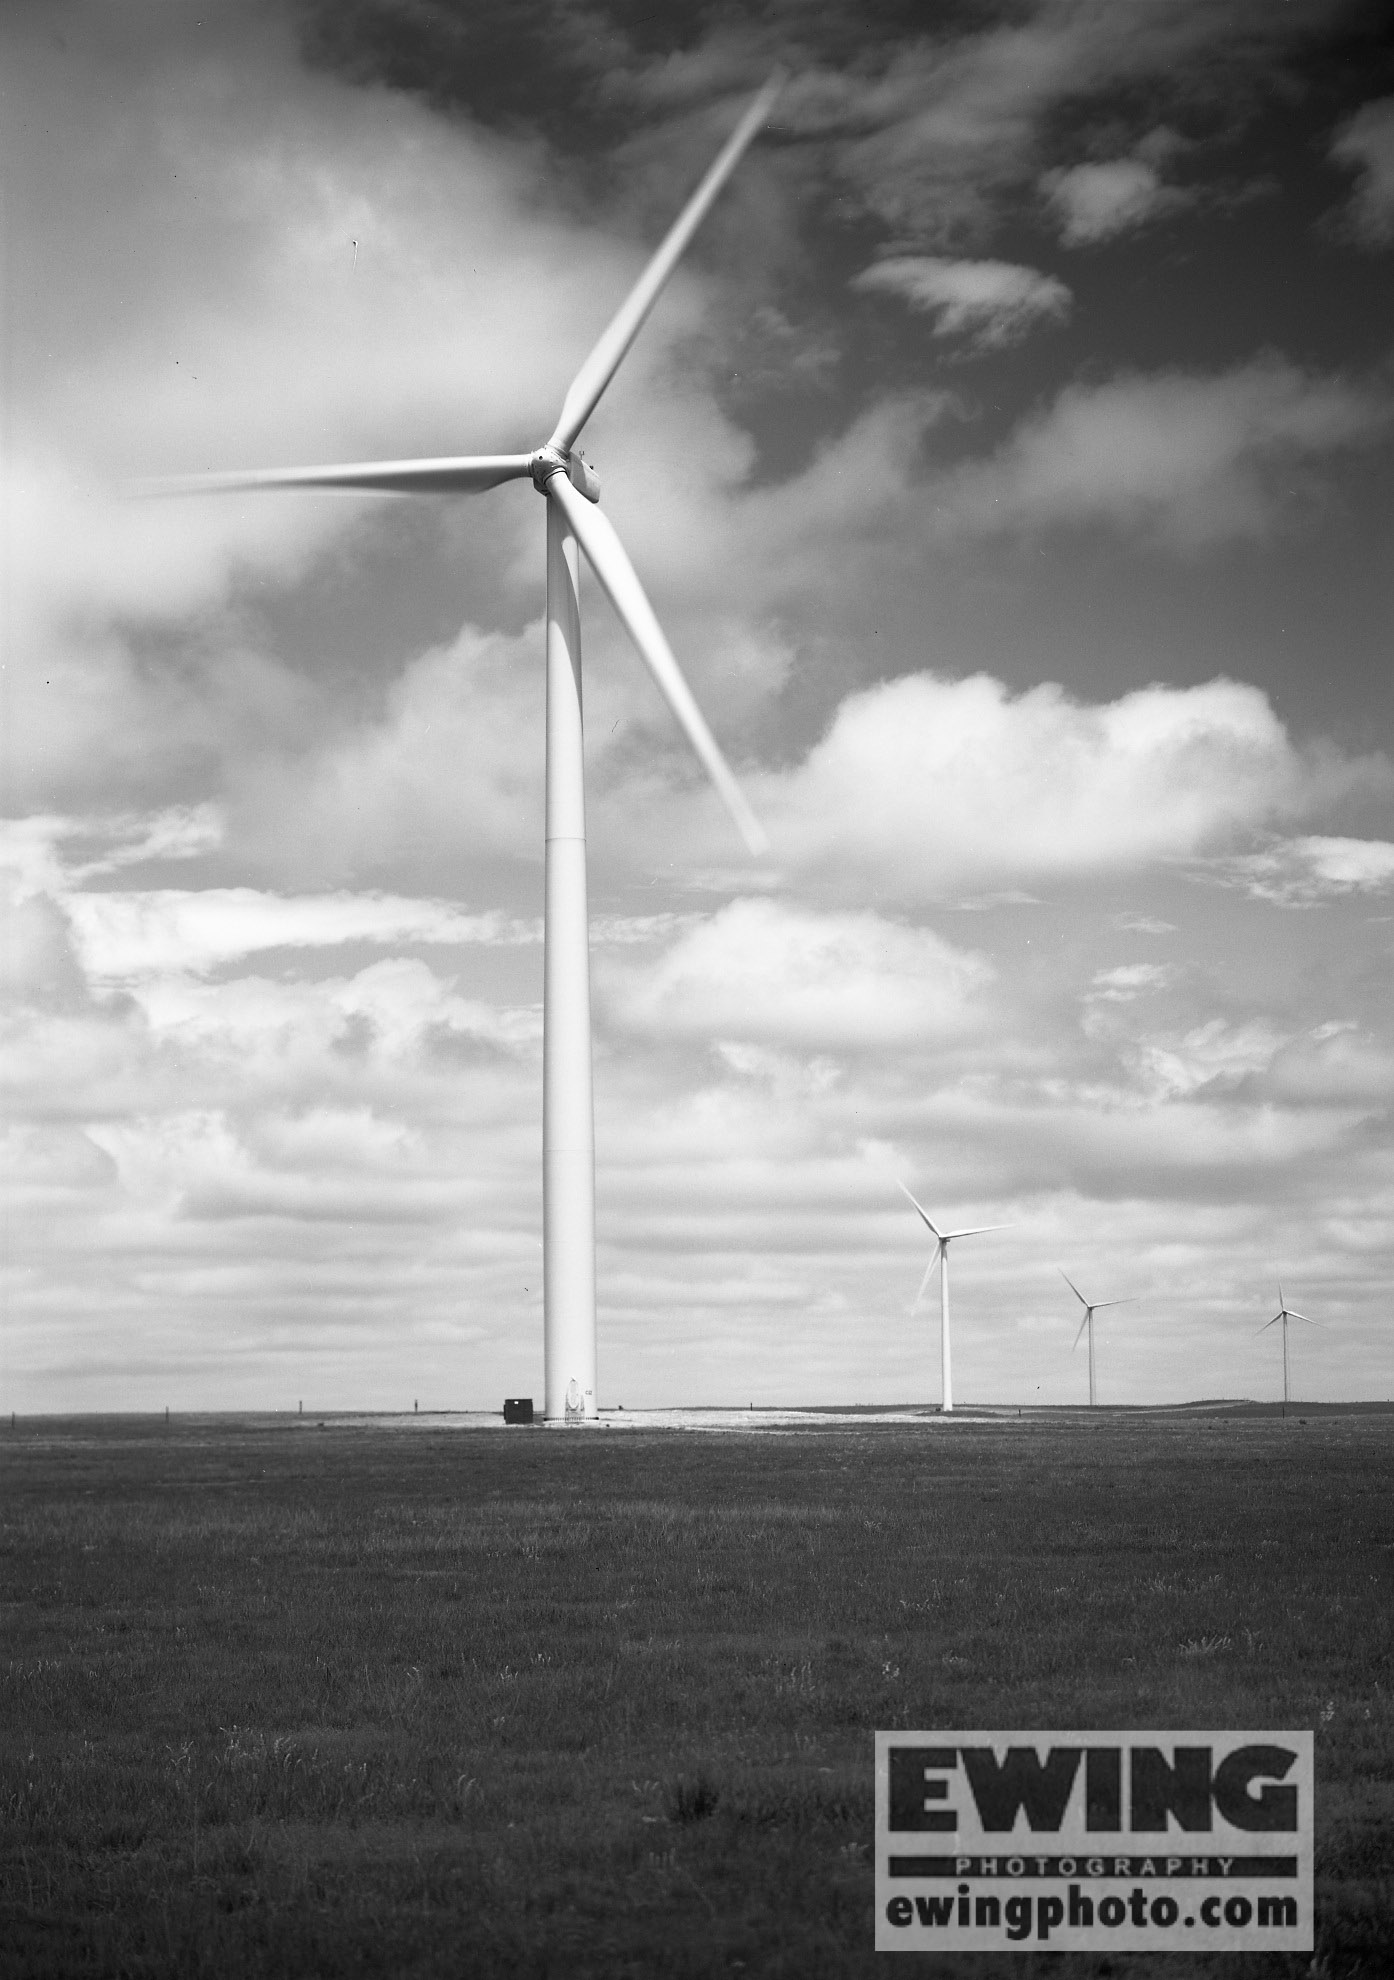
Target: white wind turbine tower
[(1090, 1310), (572, 488), (1285, 1313), (942, 1241)]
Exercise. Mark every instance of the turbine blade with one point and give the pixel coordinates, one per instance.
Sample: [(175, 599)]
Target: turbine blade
[(924, 1282), (923, 1212), (977, 1230), (1072, 1286), (1268, 1323), (595, 374), (468, 474), (1100, 1304), (1294, 1315), (1082, 1325), (608, 559)]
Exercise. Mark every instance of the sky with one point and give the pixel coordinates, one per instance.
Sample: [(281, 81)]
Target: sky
[(1010, 464)]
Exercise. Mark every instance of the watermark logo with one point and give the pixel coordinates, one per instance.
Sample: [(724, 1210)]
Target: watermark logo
[(1061, 1841)]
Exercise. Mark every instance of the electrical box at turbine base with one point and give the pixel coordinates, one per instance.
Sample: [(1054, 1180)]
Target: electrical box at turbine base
[(517, 1409)]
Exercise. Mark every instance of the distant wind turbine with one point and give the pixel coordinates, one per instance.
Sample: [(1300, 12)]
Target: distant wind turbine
[(1285, 1313), (559, 472), (1087, 1323), (942, 1241)]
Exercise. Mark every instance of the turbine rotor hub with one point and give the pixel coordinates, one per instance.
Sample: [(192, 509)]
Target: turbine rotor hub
[(546, 462), (550, 460)]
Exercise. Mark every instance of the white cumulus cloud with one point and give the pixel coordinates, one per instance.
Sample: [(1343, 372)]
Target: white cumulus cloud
[(1366, 143), (1095, 202), (1208, 1058), (994, 302), (765, 969), (1300, 872), (922, 785), (164, 931), (1128, 980)]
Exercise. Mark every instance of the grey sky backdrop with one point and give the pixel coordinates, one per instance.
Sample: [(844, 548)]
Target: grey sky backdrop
[(1010, 464)]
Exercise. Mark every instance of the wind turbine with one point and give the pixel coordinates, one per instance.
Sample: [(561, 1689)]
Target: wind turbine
[(1285, 1313), (1088, 1320), (571, 486), (942, 1241)]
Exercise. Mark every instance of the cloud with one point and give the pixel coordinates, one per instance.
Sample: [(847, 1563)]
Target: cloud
[(1365, 143), (925, 126), (186, 831), (38, 963), (994, 302), (396, 1018), (282, 267), (53, 852), (1305, 871), (923, 785), (934, 139), (1188, 463), (122, 937), (765, 969), (1336, 1062), (451, 757), (1128, 980), (1143, 924), (119, 937), (1191, 460), (1209, 1058), (767, 350), (1095, 202)]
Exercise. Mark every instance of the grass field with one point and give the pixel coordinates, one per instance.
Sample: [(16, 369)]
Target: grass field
[(289, 1700)]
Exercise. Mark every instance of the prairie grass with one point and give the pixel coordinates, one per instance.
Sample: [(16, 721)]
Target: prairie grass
[(283, 1700)]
